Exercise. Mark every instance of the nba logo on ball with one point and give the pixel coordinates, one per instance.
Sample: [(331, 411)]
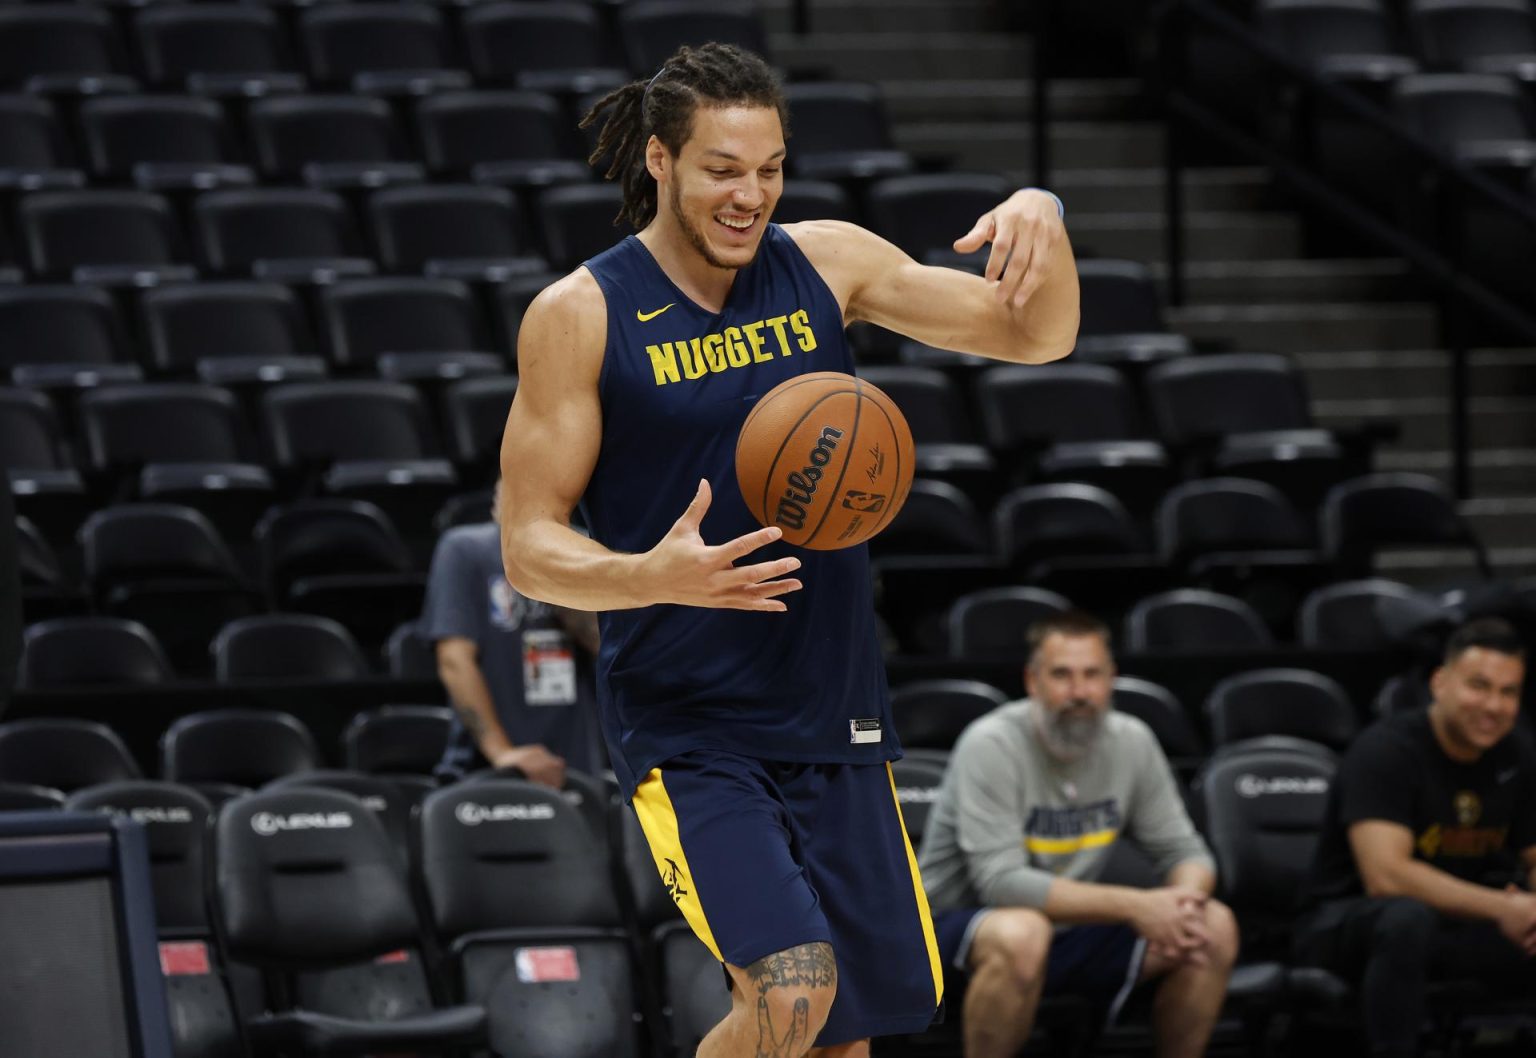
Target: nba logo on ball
[(827, 458)]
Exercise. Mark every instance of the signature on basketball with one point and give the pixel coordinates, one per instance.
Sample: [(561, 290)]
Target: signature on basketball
[(873, 471)]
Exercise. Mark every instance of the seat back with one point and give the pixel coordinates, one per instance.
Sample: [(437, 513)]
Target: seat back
[(247, 747), (177, 41), (238, 228), (128, 426), (76, 651), (1024, 408), (1118, 297), (917, 784), (397, 738), (314, 424), (1227, 514), (65, 230), (1295, 702), (1192, 619), (194, 321), (366, 318), (45, 324), (1156, 706), (932, 713), (390, 803), (63, 754), (1041, 521), (287, 646), (1200, 398), (993, 621)]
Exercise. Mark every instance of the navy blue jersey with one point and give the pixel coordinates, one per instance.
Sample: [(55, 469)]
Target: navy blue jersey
[(677, 382)]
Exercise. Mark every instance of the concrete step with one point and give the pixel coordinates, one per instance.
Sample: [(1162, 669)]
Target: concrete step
[(1121, 190), (1503, 521), (1495, 422), (1409, 373), (1012, 99), (1270, 280), (1309, 327), (1208, 237), (992, 146), (1495, 471), (872, 56), (864, 16), (1438, 570)]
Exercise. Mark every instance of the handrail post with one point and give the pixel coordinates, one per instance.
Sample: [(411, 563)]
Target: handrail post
[(1454, 315)]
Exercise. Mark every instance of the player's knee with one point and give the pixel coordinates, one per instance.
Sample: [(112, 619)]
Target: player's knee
[(1221, 925), (1016, 940), (1404, 928), (792, 991)]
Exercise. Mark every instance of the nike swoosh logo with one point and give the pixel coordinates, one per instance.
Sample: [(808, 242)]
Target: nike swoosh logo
[(645, 317), (1505, 776)]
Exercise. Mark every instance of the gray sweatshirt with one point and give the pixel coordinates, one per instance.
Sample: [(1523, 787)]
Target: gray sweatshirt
[(1009, 817)]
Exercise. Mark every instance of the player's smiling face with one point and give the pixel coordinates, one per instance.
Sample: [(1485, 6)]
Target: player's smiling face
[(726, 181)]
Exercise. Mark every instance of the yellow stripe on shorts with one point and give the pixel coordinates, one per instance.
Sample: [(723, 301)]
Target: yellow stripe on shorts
[(934, 965), (659, 821)]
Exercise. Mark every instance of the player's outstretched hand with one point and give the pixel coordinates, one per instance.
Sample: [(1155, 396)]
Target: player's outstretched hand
[(1023, 231), (687, 571)]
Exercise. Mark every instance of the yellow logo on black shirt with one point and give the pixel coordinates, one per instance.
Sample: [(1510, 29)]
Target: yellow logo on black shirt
[(750, 343), (647, 317)]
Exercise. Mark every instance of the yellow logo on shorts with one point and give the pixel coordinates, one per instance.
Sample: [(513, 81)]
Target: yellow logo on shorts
[(673, 879)]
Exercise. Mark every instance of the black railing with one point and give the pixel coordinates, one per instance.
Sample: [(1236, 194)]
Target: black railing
[(1439, 260)]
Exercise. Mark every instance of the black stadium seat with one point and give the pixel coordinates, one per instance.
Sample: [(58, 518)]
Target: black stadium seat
[(1024, 410), (511, 139), (56, 331), (308, 888), (926, 213), (1156, 706), (481, 840), (931, 714), (110, 237), (33, 148), (813, 200), (330, 141), (917, 783), (475, 416), (406, 655), (341, 559), (1294, 702), (1195, 620), (246, 747), (389, 802), (165, 566), (993, 622), (77, 651), (1365, 516), (283, 234), (841, 132), (1369, 614), (51, 49), (391, 48), (653, 29), (63, 754), (286, 647), (580, 221), (415, 329), (936, 519), (25, 797), (230, 332), (161, 143), (548, 46), (452, 232), (397, 739), (32, 454), (217, 49)]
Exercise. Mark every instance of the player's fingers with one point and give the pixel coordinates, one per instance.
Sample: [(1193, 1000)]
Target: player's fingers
[(694, 513), (740, 576), (977, 237), (1002, 245), (772, 589), (747, 543), (1019, 272)]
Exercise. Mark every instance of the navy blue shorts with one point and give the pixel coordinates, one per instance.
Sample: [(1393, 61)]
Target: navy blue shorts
[(762, 856), (1100, 962)]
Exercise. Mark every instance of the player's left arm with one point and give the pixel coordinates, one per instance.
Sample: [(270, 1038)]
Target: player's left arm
[(1024, 309)]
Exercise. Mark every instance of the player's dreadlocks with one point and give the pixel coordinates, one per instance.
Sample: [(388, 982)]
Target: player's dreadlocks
[(714, 75)]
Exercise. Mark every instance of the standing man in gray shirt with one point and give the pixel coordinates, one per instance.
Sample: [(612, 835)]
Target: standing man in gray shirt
[(514, 668), (1036, 794)]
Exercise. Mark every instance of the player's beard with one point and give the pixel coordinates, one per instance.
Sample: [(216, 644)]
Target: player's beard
[(695, 234), (1070, 732)]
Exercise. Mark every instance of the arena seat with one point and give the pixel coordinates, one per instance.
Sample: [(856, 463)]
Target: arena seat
[(25, 797), (116, 238), (341, 559), (385, 48), (992, 622), (695, 997), (84, 651), (505, 139), (479, 840), (1039, 523), (549, 46), (1026, 409), (452, 231), (244, 747), (307, 887), (807, 199), (653, 29), (1369, 614), (1295, 702), (936, 519), (389, 802), (129, 429), (215, 49), (63, 338), (917, 784), (286, 646), (231, 333), (338, 141), (1363, 517), (409, 657), (579, 221), (475, 416), (1472, 35), (32, 143), (841, 132), (396, 739), (1216, 523), (63, 754), (933, 713), (943, 428), (1317, 32), (165, 566), (409, 329), (161, 143), (923, 212), (50, 490), (1194, 619), (51, 50), (1158, 708), (282, 234), (1118, 297)]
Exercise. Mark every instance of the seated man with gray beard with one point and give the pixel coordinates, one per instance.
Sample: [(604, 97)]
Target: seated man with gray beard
[(1036, 795)]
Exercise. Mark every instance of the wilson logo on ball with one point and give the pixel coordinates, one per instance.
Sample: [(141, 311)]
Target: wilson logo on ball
[(801, 484)]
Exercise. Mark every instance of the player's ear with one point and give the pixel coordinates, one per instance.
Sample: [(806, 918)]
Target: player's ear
[(657, 158)]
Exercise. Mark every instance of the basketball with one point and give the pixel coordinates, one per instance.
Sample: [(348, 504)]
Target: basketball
[(827, 458)]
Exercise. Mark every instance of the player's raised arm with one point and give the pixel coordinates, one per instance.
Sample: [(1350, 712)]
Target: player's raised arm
[(1024, 309), (548, 453)]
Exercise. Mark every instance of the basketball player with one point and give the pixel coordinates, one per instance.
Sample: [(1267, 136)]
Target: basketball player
[(745, 707)]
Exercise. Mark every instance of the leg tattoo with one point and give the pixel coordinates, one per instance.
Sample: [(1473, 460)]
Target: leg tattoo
[(796, 1035)]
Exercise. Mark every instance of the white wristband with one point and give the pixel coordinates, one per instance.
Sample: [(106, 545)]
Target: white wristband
[(1061, 209)]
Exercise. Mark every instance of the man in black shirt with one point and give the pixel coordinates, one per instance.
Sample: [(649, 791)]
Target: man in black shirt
[(1431, 822)]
